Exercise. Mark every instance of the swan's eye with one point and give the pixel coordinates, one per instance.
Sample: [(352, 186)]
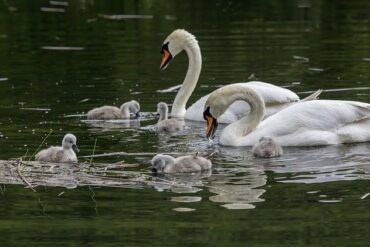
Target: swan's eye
[(165, 47), (206, 113)]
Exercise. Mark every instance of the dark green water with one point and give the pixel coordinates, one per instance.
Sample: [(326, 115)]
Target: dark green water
[(309, 197)]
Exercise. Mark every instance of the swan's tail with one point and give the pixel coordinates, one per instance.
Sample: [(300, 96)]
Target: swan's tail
[(313, 96)]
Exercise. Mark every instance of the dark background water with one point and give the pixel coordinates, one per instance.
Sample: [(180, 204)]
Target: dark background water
[(309, 197)]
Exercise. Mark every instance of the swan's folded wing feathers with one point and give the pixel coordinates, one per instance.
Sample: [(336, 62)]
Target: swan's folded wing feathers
[(315, 115), (272, 94)]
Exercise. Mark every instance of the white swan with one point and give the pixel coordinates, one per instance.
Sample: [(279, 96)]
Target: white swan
[(64, 154), (276, 98), (267, 148), (189, 163), (167, 125), (112, 112), (318, 122)]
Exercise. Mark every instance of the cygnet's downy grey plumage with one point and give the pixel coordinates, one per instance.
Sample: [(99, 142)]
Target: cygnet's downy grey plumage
[(112, 112), (64, 154), (267, 148), (190, 163), (164, 124)]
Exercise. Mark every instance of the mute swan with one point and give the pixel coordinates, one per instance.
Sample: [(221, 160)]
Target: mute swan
[(267, 148), (276, 98), (190, 163), (164, 124), (64, 154), (112, 112), (318, 122)]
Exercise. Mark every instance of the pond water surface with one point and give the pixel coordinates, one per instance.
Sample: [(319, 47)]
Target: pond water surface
[(60, 59)]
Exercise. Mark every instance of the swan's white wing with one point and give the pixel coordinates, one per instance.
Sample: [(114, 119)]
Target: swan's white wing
[(318, 122), (276, 98)]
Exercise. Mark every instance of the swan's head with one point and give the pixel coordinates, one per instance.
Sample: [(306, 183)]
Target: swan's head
[(162, 108), (70, 141), (216, 105), (174, 44)]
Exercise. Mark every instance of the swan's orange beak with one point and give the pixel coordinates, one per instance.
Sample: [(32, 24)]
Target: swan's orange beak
[(211, 124), (166, 58), (211, 127)]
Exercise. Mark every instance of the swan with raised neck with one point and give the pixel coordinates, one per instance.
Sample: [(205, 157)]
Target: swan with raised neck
[(275, 98), (176, 42)]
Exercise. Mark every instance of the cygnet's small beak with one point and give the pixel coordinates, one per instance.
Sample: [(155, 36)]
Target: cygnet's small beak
[(154, 171), (75, 148), (137, 115)]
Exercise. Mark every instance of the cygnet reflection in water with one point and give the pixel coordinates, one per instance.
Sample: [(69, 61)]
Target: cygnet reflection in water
[(64, 154), (112, 112)]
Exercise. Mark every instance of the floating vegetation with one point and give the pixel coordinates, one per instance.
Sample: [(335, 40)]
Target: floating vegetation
[(34, 109), (170, 89), (364, 196), (59, 3), (63, 48), (301, 59), (316, 70), (337, 90), (183, 209), (54, 10), (33, 174), (124, 17)]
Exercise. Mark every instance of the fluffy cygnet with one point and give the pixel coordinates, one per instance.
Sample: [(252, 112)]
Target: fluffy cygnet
[(190, 163), (112, 112), (164, 124), (64, 154), (267, 148)]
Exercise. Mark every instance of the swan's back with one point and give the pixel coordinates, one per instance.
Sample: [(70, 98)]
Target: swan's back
[(104, 113), (189, 163), (275, 98), (320, 114), (320, 122)]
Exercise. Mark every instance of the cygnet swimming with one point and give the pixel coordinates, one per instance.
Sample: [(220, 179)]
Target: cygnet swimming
[(190, 163), (267, 148), (112, 112), (164, 124), (64, 154)]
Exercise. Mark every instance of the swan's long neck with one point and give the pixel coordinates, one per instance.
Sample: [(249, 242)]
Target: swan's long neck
[(242, 127), (192, 75)]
